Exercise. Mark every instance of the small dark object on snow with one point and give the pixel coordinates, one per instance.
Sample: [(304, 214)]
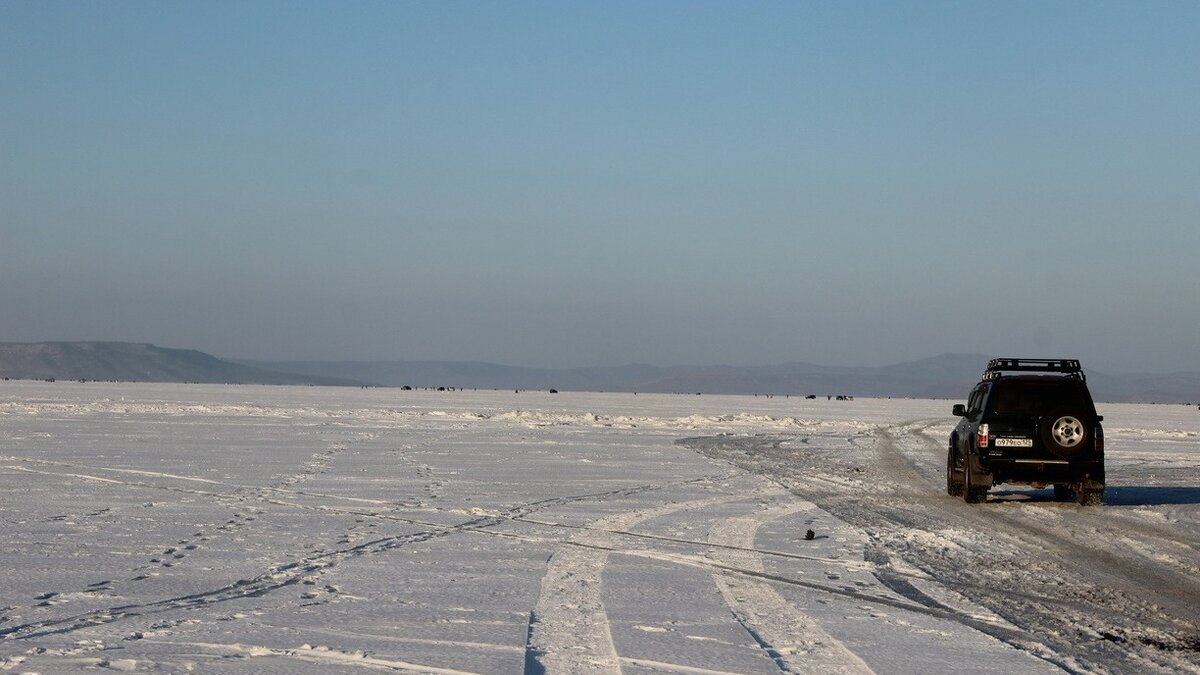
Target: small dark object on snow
[(809, 535)]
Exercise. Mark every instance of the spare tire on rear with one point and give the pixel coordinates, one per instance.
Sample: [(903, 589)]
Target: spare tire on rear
[(1067, 432)]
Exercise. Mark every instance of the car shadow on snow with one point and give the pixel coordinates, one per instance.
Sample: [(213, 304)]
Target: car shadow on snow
[(1133, 495), (1114, 495)]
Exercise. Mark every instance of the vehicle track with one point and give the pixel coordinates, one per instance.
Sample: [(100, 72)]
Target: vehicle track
[(569, 629), (794, 641), (1084, 539), (1079, 538), (1074, 597)]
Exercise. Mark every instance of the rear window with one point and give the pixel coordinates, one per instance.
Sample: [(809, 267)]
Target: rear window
[(1037, 398)]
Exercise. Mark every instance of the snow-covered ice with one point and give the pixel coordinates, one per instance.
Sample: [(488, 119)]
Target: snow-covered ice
[(192, 528)]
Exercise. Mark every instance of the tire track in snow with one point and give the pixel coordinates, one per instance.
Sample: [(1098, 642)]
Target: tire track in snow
[(1086, 547), (861, 503), (856, 565), (790, 637), (335, 659), (1072, 596), (240, 492), (569, 631)]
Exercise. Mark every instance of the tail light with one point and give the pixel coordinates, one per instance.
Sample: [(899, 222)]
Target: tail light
[(981, 436), (1099, 436)]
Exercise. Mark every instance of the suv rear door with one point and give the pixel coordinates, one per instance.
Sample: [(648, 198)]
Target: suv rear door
[(1017, 408)]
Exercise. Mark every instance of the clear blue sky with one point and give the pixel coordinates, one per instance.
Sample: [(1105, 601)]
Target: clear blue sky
[(598, 183)]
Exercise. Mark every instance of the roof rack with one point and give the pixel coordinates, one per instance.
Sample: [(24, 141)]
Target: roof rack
[(1069, 367)]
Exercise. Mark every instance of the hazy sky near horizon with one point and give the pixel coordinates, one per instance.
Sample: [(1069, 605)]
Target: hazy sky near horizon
[(597, 183)]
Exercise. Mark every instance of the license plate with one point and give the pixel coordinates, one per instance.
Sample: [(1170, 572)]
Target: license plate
[(1014, 442)]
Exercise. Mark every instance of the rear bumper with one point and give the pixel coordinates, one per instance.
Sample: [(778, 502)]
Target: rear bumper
[(1044, 471)]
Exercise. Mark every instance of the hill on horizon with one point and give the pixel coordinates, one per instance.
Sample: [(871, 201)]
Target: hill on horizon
[(136, 362)]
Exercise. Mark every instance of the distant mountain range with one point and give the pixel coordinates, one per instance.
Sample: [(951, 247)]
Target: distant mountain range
[(133, 362), (947, 376), (950, 373)]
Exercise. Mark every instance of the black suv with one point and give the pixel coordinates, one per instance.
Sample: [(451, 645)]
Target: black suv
[(1028, 421)]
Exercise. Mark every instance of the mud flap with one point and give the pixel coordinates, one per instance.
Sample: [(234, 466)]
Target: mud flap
[(976, 482), (1089, 492), (979, 477)]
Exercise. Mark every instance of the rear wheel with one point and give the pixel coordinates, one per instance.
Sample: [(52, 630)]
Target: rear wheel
[(954, 475), (972, 493)]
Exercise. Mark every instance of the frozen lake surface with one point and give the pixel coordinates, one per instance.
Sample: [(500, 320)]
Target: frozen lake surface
[(175, 528)]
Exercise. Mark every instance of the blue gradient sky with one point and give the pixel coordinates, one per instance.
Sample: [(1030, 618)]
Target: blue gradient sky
[(572, 184)]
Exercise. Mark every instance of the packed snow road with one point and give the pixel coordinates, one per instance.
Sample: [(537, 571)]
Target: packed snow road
[(1113, 588), (168, 528)]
